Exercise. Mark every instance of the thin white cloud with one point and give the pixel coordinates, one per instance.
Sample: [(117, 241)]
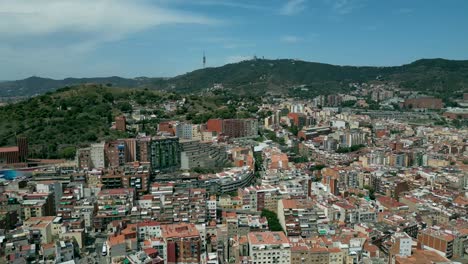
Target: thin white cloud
[(290, 39), (109, 17), (292, 7), (237, 58), (238, 45), (234, 4), (343, 7), (44, 36)]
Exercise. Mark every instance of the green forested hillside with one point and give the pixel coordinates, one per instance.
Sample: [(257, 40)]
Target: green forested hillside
[(428, 75), (37, 85), (56, 122), (437, 76)]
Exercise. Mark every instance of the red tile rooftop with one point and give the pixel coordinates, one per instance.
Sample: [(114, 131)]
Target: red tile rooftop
[(115, 240), (147, 197), (41, 225), (149, 223), (421, 257), (48, 246), (370, 248), (157, 184), (9, 149), (150, 251), (131, 228), (179, 230), (460, 200), (319, 250), (299, 247), (155, 239), (231, 215), (40, 219), (334, 250), (439, 234), (270, 238), (289, 204), (243, 240), (463, 231), (389, 202)]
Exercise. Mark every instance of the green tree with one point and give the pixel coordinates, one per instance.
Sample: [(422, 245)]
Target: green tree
[(294, 130), (317, 167), (68, 152), (371, 191), (91, 136), (108, 97), (124, 107), (273, 222)]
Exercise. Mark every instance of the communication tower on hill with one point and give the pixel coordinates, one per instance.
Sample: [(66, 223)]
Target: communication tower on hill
[(204, 60)]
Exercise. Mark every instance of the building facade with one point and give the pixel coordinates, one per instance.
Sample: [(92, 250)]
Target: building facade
[(165, 153)]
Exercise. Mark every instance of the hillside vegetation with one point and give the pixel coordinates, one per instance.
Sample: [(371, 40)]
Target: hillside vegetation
[(435, 76), (57, 122), (37, 85)]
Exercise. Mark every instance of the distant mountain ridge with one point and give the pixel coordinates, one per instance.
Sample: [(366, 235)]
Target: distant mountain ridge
[(37, 85), (263, 75)]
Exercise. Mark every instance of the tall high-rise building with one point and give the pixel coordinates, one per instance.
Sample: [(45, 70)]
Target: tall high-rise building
[(215, 125), (83, 159), (234, 128), (184, 131), (97, 155), (54, 187), (131, 145), (165, 153), (116, 153), (143, 149), (22, 143), (237, 128)]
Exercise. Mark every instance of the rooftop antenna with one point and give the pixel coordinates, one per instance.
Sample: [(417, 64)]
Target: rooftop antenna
[(204, 59)]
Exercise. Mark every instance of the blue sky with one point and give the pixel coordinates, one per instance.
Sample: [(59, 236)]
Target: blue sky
[(88, 38)]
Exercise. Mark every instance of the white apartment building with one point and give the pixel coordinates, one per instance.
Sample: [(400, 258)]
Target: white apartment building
[(269, 247), (97, 155)]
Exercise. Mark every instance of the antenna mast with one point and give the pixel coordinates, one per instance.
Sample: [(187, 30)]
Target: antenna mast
[(204, 60)]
